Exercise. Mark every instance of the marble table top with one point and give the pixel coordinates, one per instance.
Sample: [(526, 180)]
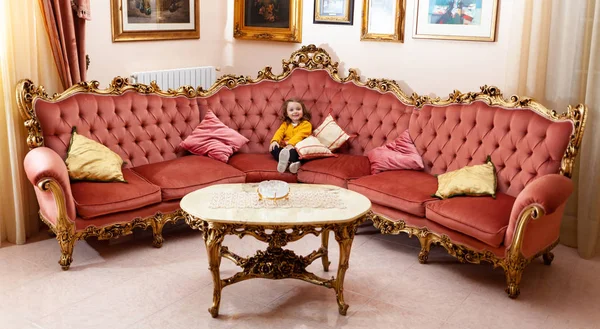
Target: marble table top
[(201, 204)]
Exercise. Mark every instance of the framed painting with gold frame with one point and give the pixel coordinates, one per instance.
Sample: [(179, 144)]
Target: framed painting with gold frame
[(334, 12), (135, 20), (471, 20), (383, 20), (270, 20)]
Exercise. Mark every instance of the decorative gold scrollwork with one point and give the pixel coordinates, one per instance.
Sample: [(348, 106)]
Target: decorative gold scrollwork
[(513, 263)]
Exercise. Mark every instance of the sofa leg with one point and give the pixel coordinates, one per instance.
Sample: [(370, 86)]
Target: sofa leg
[(513, 279), (157, 238), (548, 257), (66, 249), (425, 248)]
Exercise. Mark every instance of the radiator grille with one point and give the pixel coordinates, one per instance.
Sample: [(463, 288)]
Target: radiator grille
[(202, 76)]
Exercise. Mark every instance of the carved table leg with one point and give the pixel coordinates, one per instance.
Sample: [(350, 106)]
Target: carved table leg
[(344, 236), (213, 237), (324, 248)]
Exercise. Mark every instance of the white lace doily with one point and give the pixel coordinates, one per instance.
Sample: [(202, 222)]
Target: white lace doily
[(296, 199)]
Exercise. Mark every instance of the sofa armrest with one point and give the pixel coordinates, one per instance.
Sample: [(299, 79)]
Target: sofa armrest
[(542, 199), (47, 171)]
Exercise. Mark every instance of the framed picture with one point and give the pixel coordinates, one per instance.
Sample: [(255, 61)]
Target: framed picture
[(274, 20), (473, 20), (383, 20), (134, 20), (334, 11)]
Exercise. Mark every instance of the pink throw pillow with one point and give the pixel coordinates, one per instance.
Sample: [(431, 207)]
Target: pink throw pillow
[(396, 155), (214, 139)]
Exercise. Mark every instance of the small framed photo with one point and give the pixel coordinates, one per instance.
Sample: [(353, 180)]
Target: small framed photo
[(268, 20), (471, 20), (334, 12), (383, 20), (134, 20)]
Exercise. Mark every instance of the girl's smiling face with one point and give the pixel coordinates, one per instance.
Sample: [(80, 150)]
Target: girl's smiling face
[(294, 111)]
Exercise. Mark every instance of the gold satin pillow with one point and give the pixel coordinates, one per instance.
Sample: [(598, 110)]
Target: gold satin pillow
[(475, 180), (91, 161)]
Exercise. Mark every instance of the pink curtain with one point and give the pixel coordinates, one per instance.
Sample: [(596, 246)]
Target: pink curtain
[(65, 24)]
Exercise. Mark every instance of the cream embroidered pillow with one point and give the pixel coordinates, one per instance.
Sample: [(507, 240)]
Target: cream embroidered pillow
[(91, 161), (311, 148), (330, 134), (475, 180)]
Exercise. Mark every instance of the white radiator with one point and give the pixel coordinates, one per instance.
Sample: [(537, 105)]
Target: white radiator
[(202, 76)]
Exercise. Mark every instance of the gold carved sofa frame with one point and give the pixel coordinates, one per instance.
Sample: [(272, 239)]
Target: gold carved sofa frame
[(307, 58)]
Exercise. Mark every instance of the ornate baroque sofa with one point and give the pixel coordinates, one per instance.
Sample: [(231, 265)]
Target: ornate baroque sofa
[(532, 147)]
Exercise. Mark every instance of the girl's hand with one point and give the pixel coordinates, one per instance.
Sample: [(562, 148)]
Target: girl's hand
[(272, 146)]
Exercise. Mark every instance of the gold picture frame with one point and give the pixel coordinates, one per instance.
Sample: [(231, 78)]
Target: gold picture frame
[(138, 20), (268, 20), (466, 20), (383, 20), (334, 12)]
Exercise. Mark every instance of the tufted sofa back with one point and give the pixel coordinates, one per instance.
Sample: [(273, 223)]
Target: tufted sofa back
[(140, 128), (523, 145), (254, 110)]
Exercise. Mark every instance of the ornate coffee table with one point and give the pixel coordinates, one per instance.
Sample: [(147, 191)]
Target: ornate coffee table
[(234, 209)]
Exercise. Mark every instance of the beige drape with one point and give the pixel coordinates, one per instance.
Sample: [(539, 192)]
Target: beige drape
[(24, 53), (555, 58)]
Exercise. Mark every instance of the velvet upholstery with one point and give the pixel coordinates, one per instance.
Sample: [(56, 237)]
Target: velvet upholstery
[(94, 199), (335, 171), (254, 110), (483, 218), (406, 190), (142, 129), (540, 234), (523, 145), (259, 167), (181, 176), (550, 192), (421, 222), (126, 216), (41, 163)]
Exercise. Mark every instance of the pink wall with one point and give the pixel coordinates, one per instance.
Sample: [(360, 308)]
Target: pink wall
[(432, 67)]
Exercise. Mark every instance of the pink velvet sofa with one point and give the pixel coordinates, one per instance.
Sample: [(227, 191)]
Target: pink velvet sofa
[(531, 146)]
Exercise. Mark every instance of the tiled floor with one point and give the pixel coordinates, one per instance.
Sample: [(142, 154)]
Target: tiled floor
[(128, 284)]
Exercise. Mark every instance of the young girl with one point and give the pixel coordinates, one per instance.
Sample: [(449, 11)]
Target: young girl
[(295, 127)]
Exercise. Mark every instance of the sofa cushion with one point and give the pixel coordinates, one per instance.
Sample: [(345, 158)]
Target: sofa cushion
[(405, 190), (483, 218), (181, 176), (214, 139), (311, 148), (330, 134), (476, 180), (396, 155), (93, 199), (335, 171), (259, 167), (91, 161)]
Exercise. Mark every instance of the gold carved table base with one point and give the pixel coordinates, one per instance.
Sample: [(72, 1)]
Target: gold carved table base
[(276, 262)]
